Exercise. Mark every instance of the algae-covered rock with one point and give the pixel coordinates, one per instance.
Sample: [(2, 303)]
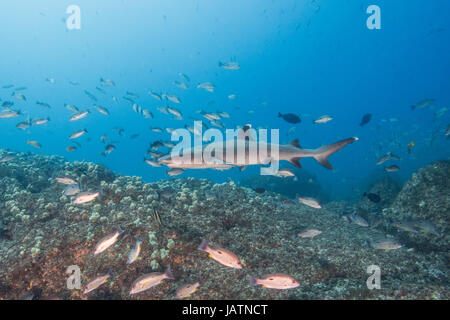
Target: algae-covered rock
[(387, 189), (424, 204)]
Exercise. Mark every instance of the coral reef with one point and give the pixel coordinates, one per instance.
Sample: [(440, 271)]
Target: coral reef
[(48, 233)]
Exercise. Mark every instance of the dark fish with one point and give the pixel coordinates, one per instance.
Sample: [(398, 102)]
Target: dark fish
[(259, 190), (365, 119), (290, 117), (372, 197)]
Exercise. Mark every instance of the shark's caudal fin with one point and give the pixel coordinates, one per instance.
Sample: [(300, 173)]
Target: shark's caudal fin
[(321, 154)]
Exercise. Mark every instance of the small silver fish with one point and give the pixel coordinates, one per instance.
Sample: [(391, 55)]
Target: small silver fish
[(78, 134), (7, 158), (150, 280), (65, 180), (133, 95), (208, 86), (71, 190), (19, 96), (34, 143), (310, 233), (79, 115), (147, 114), (153, 163), (71, 107), (181, 85), (284, 173), (157, 130), (385, 244), (107, 241), (85, 197), (426, 226), (38, 122), (323, 119), (229, 65), (177, 113), (188, 289), (383, 159), (275, 281), (173, 98), (210, 115), (405, 226), (358, 220), (174, 172), (23, 125), (155, 95), (163, 109), (392, 168), (310, 202), (185, 77), (9, 114), (107, 82), (102, 110), (97, 282), (223, 256), (134, 253)]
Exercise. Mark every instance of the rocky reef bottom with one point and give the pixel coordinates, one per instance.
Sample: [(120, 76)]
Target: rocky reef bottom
[(42, 233)]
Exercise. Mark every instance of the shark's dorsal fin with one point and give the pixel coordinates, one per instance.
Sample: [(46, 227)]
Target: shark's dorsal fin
[(295, 143), (244, 134), (296, 162)]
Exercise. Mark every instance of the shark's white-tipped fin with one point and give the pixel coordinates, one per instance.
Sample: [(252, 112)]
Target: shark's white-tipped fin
[(321, 154)]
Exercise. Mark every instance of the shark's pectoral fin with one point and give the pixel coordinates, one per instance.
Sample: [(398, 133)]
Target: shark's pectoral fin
[(296, 162)]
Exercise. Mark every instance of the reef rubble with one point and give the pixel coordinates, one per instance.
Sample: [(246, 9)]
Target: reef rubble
[(46, 233)]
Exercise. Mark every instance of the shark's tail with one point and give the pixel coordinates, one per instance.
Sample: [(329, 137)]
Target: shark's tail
[(321, 154)]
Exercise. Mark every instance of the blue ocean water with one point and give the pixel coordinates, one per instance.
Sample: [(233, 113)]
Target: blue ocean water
[(311, 58)]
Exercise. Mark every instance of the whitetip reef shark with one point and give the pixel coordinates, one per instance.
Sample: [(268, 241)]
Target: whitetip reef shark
[(292, 152)]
